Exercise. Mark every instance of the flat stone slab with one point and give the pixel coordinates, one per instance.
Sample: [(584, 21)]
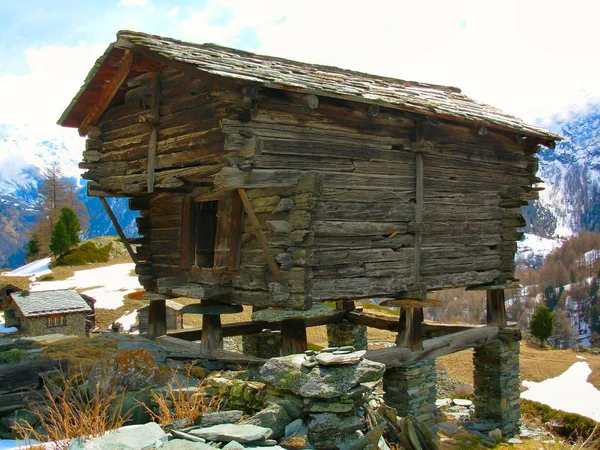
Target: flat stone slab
[(221, 417), (135, 437), (211, 309), (241, 433), (287, 373), (183, 444), (276, 315), (462, 402), (335, 358)]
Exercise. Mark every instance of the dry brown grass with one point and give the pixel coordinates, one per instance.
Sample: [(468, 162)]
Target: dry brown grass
[(537, 364), (20, 282), (69, 412), (179, 403), (82, 352)]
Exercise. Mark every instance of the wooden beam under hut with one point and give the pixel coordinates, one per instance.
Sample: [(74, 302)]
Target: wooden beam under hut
[(443, 345)]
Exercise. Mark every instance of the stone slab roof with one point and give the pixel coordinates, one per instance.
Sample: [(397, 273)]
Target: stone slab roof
[(429, 99), (35, 304)]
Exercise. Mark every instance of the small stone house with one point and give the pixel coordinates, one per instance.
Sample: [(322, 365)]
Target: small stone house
[(37, 313), (174, 316)]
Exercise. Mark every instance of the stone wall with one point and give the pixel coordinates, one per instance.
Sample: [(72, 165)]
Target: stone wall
[(497, 383), (266, 344), (411, 390), (346, 333), (36, 326)]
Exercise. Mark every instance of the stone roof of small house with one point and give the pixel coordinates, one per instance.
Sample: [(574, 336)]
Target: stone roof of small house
[(36, 304), (267, 71)]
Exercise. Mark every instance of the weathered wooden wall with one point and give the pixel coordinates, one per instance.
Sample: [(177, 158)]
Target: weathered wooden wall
[(332, 185)]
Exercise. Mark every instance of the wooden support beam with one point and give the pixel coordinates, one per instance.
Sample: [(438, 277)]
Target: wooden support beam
[(434, 348), (115, 222), (496, 309), (235, 235), (251, 327), (293, 337), (107, 93), (154, 122), (157, 318), (212, 337), (409, 330), (260, 236)]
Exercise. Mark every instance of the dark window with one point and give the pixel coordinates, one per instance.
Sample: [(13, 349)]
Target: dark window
[(205, 233)]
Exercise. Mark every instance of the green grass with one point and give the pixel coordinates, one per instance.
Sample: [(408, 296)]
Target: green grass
[(86, 253), (383, 309), (567, 425)]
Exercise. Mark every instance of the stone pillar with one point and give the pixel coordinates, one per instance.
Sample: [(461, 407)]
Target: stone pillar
[(265, 344), (497, 386), (345, 333), (411, 390)]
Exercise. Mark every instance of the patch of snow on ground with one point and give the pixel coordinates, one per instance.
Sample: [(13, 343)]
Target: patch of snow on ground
[(5, 330), (127, 320), (110, 283), (569, 392), (37, 268)]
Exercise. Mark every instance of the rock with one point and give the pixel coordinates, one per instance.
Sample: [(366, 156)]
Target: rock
[(233, 445), (515, 441), (274, 417), (287, 373), (20, 415), (274, 447), (133, 404), (462, 402), (441, 402), (183, 444), (221, 417), (496, 434), (133, 437), (265, 443), (295, 427), (448, 428), (322, 406), (330, 359), (321, 425), (242, 433)]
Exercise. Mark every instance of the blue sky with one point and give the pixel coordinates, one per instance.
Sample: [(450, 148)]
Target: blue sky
[(535, 59)]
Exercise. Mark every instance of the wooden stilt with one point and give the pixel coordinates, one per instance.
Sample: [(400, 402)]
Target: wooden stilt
[(212, 333), (293, 337), (157, 318), (496, 309), (410, 331)]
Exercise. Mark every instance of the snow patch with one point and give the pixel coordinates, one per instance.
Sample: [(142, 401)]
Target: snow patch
[(5, 330), (36, 268), (127, 320), (569, 392), (110, 284), (533, 245)]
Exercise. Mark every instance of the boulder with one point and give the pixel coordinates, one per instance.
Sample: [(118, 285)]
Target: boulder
[(242, 433), (274, 417), (287, 373), (221, 417), (183, 444), (135, 437)]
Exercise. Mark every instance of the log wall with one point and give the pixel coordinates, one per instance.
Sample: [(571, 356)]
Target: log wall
[(332, 185)]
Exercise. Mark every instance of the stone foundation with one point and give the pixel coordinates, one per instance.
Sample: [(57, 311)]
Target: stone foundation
[(346, 333), (497, 385), (411, 390), (263, 345)]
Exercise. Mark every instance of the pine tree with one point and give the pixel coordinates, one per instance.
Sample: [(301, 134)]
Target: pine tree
[(59, 243), (541, 325), (33, 247), (69, 218)]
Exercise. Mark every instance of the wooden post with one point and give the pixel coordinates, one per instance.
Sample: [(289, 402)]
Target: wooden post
[(410, 332), (496, 309), (212, 333), (115, 222), (293, 337), (157, 318)]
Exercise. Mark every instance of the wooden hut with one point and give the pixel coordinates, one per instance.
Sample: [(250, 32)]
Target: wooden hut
[(272, 183)]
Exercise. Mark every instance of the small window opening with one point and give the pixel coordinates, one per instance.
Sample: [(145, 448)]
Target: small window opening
[(205, 233)]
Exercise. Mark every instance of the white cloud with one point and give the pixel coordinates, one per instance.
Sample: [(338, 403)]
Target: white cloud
[(39, 97), (133, 2), (533, 59), (173, 11)]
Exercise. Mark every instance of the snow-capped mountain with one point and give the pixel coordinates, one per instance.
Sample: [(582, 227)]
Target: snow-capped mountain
[(570, 201), (24, 153)]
